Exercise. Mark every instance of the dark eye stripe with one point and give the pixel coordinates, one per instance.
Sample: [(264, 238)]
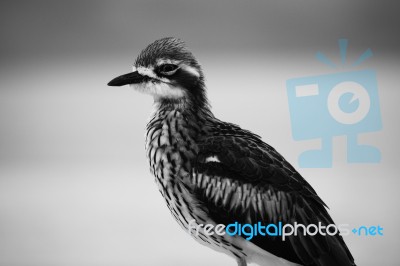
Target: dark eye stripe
[(167, 69)]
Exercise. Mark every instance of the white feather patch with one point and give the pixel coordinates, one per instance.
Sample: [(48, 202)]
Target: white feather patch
[(212, 159)]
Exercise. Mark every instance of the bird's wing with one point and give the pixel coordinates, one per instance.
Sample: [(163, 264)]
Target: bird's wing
[(242, 179)]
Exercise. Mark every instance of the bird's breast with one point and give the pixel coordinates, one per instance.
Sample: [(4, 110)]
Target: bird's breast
[(170, 148)]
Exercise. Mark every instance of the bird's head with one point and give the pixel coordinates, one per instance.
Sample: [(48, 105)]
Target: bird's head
[(167, 70)]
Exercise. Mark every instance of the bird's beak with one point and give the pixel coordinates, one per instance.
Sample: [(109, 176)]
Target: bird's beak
[(130, 78)]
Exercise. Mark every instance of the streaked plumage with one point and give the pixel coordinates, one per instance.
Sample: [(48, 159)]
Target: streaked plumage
[(217, 173)]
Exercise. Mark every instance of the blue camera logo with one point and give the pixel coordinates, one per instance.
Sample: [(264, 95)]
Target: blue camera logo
[(336, 104)]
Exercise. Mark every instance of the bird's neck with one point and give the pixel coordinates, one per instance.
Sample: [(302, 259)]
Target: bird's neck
[(194, 102), (179, 115), (194, 110)]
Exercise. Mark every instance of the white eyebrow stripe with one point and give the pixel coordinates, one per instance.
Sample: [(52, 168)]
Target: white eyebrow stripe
[(167, 61), (191, 70)]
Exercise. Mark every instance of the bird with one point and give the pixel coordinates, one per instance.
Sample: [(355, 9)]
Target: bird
[(212, 172)]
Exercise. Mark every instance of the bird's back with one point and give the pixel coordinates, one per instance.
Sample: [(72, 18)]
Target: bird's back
[(270, 191)]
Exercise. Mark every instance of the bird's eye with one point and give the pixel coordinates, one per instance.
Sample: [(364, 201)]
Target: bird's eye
[(168, 69)]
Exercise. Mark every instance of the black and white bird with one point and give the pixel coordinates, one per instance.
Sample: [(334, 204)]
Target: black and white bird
[(214, 172)]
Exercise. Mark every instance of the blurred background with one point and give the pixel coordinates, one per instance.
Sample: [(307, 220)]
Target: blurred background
[(74, 182)]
